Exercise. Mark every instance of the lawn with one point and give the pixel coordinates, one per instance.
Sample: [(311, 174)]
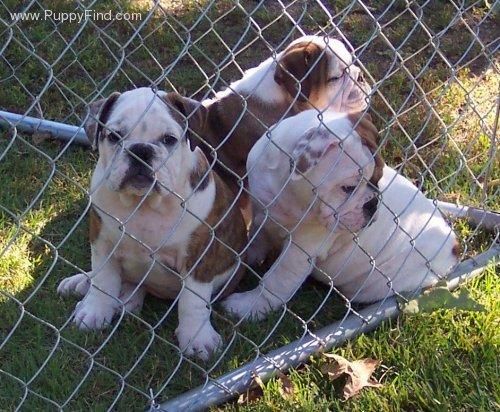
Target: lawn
[(437, 83)]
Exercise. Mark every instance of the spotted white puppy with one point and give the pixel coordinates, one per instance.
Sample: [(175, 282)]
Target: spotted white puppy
[(318, 181), (156, 206)]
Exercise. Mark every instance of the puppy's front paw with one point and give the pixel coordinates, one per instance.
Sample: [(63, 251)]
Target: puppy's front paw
[(201, 342), (94, 313), (77, 285), (252, 304)]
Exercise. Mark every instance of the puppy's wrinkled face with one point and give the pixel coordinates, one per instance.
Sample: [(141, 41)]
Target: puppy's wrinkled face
[(142, 144), (320, 72), (340, 164)]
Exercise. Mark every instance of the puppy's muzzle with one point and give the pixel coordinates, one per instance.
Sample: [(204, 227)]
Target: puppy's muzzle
[(139, 174)]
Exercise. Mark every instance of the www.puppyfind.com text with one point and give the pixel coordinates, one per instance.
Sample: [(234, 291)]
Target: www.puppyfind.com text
[(76, 16)]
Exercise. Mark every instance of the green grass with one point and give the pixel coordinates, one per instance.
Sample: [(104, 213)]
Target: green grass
[(447, 360), (441, 361)]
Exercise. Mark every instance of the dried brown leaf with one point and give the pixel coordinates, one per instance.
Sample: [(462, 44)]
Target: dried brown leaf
[(358, 373), (251, 395), (256, 391), (361, 377), (334, 369), (286, 387)]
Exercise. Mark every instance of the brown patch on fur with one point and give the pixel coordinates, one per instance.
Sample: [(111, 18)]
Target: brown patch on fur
[(456, 250), (223, 226), (303, 164), (187, 110), (201, 175), (95, 225), (369, 135), (304, 64), (235, 126), (305, 156), (316, 154)]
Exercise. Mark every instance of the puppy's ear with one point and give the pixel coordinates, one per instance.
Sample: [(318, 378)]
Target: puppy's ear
[(184, 109), (98, 113), (303, 64), (309, 150), (200, 175), (362, 123)]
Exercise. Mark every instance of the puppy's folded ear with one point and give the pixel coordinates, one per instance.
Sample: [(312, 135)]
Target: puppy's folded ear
[(302, 66), (362, 123), (98, 113), (309, 150), (188, 110)]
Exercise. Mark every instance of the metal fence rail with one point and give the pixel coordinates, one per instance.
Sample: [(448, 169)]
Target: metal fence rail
[(433, 70), (236, 382)]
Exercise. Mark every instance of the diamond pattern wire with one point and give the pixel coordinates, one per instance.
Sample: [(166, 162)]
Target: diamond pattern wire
[(433, 69)]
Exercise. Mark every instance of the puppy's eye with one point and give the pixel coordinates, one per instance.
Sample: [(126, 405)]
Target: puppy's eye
[(348, 189), (168, 140), (333, 78), (114, 136)]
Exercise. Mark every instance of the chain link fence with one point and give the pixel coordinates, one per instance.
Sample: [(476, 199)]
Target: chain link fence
[(433, 69)]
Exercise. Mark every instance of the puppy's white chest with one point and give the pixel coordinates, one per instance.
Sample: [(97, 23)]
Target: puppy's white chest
[(144, 233), (159, 270), (143, 227), (149, 248)]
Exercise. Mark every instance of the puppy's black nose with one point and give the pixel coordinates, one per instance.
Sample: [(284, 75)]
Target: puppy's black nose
[(142, 151), (370, 207)]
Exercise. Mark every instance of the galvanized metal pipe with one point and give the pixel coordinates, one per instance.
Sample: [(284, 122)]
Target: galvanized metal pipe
[(57, 130), (479, 217), (230, 385)]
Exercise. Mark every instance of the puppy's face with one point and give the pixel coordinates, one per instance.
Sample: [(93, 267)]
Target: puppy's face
[(141, 139), (320, 73), (338, 159)]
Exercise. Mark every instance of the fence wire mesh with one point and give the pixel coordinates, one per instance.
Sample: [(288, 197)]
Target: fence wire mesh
[(433, 71)]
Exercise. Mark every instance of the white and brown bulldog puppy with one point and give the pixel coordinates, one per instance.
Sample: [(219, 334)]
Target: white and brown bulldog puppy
[(312, 72), (160, 218), (318, 182)]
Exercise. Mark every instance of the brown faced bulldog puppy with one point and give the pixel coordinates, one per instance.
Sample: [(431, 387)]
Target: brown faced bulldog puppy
[(161, 220), (312, 72)]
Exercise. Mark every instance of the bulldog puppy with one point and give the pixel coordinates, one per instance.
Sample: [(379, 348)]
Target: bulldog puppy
[(161, 220), (334, 210), (312, 72)]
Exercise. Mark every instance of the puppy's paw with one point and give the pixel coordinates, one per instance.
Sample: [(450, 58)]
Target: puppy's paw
[(94, 313), (77, 285), (201, 342), (252, 304)]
